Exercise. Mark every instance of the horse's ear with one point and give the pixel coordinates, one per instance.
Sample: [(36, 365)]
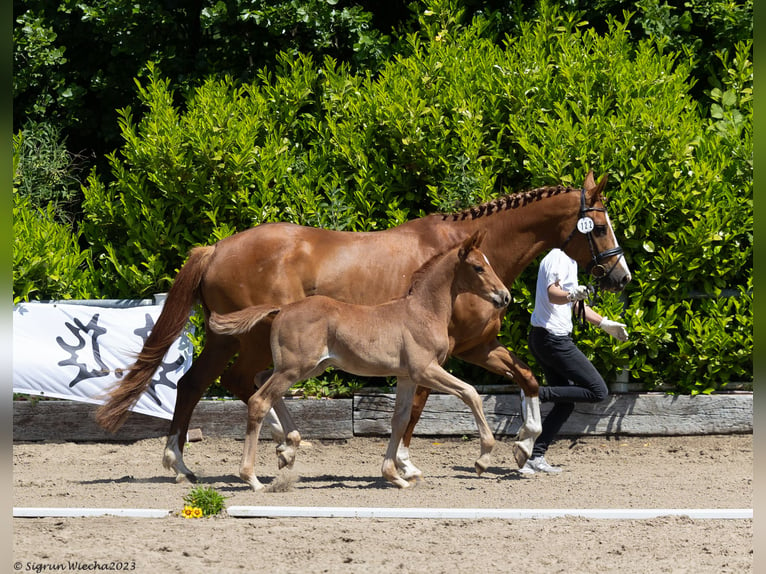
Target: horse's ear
[(602, 183), (590, 181), (595, 189)]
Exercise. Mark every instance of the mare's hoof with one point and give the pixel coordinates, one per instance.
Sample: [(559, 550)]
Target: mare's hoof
[(519, 454), (285, 457), (190, 478)]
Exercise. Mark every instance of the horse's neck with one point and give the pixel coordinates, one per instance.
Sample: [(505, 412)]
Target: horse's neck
[(517, 235)]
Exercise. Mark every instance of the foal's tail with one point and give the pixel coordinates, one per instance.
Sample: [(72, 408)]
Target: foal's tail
[(175, 313), (242, 321)]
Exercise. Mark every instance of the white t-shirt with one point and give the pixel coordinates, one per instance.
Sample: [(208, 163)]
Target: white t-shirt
[(556, 267)]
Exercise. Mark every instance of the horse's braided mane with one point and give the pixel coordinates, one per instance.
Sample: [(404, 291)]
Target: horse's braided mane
[(511, 201)]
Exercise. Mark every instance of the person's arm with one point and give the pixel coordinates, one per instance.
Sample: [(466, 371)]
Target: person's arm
[(559, 296), (613, 328)]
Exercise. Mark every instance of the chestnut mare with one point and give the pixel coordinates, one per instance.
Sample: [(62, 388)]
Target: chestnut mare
[(277, 263), (406, 338)]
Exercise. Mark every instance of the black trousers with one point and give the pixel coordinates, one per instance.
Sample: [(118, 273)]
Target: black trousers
[(570, 378)]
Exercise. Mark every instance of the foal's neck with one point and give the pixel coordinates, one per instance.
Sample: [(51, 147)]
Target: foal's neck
[(433, 288)]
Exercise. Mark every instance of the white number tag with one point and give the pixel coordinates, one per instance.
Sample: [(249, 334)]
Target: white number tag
[(585, 225)]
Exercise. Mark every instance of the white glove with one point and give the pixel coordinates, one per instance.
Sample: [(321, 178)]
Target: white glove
[(577, 293), (615, 329)]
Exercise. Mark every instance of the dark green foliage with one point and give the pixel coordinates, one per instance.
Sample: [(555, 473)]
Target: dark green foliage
[(75, 61)]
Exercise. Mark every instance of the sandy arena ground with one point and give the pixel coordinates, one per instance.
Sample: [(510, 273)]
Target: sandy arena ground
[(599, 472)]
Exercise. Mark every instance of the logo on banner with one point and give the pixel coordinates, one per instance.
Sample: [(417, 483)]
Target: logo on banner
[(86, 352)]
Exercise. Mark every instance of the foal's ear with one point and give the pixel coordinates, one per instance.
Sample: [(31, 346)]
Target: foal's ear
[(471, 242)]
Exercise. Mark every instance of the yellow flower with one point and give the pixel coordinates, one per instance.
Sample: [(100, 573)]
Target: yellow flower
[(188, 512), (197, 512)]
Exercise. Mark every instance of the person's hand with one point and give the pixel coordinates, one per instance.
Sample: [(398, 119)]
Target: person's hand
[(577, 293), (615, 329)]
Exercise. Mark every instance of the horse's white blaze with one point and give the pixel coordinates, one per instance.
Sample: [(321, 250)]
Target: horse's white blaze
[(621, 263)]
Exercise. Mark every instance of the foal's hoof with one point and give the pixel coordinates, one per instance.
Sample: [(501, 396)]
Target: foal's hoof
[(480, 467), (400, 483), (519, 454)]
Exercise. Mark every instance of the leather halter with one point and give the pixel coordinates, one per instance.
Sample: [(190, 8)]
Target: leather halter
[(594, 267)]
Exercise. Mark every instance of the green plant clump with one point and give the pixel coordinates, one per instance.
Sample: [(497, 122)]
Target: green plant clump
[(207, 499)]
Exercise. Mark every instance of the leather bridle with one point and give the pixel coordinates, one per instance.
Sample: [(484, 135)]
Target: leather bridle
[(586, 226)]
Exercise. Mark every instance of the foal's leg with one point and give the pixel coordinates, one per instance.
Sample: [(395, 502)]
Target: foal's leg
[(278, 412), (436, 378), (496, 358), (246, 374), (404, 391), (257, 407)]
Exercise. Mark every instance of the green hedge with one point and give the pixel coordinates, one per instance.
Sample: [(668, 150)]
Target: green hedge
[(457, 120)]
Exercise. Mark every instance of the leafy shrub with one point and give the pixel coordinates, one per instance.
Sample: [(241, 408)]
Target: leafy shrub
[(46, 172), (457, 120), (48, 262)]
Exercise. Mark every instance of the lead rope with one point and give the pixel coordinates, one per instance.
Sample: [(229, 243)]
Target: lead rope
[(579, 306)]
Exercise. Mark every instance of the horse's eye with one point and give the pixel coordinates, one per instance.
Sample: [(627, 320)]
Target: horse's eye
[(599, 230), (479, 269)]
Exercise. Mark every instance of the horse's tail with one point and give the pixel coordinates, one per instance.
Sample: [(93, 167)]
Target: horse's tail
[(241, 321), (175, 313)]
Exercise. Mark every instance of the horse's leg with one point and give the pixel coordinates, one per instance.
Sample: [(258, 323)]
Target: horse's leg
[(496, 358), (418, 404), (258, 406), (436, 378), (404, 393), (278, 414), (408, 470), (246, 374), (190, 389)]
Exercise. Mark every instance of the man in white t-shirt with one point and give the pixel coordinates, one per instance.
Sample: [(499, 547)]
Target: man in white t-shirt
[(570, 377)]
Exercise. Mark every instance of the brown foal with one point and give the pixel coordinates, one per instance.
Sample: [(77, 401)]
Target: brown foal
[(406, 338)]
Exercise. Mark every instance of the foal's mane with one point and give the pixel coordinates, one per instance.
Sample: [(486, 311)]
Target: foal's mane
[(510, 201)]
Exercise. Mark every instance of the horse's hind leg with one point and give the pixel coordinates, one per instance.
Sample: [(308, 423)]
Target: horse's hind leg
[(190, 389), (404, 392), (247, 373)]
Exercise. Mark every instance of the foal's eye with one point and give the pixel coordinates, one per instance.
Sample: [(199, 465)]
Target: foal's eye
[(479, 269)]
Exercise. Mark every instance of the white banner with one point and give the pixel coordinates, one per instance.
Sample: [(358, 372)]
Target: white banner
[(79, 352)]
